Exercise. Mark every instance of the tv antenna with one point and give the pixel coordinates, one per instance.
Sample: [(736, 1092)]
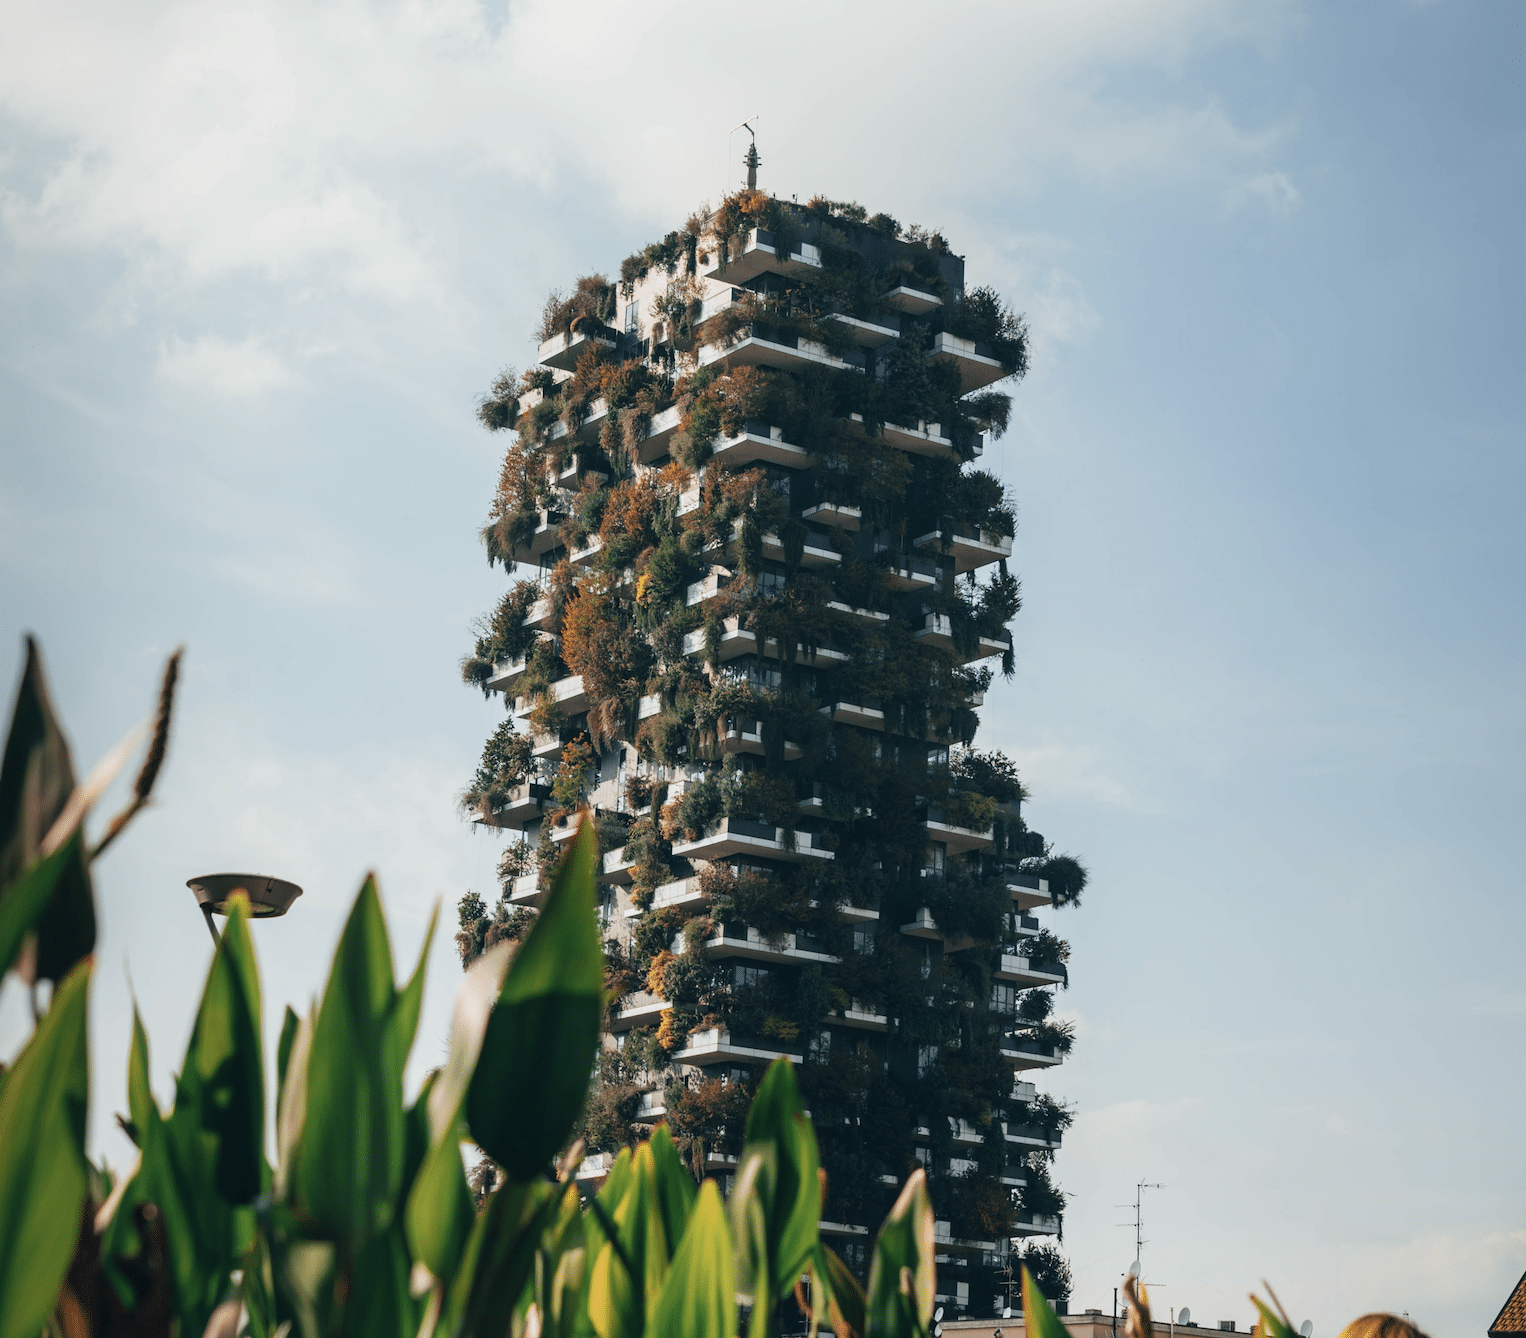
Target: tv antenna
[(750, 159), (1137, 1268)]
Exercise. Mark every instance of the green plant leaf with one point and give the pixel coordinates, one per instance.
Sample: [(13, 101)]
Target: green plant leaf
[(789, 1193), (1038, 1318), (698, 1297), (675, 1186), (289, 1023), (543, 1033), (43, 1171), (499, 1257), (36, 775), (379, 1304), (845, 1298), (27, 898), (620, 1301), (902, 1281), (440, 1209), (349, 1162), (224, 1070)]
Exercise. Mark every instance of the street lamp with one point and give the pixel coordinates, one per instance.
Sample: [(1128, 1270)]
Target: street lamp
[(268, 897)]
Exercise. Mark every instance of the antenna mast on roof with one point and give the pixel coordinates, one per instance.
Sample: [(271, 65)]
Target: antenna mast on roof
[(750, 159)]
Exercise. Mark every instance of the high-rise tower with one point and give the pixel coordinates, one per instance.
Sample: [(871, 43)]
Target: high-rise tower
[(767, 588)]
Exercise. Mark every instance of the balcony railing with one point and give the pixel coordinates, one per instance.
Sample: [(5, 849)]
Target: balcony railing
[(741, 836), (716, 1045), (563, 351)]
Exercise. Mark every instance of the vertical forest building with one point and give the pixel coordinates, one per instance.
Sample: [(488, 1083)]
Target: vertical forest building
[(760, 590)]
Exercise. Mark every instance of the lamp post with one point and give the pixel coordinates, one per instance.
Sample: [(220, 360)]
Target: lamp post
[(268, 897)]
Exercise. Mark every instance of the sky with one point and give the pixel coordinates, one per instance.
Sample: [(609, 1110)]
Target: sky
[(257, 261)]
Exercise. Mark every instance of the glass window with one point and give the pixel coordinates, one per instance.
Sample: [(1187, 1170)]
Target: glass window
[(632, 317)]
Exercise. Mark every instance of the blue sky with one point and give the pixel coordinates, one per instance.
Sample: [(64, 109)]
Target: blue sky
[(256, 263)]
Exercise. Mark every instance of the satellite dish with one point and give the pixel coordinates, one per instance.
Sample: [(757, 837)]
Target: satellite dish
[(1307, 1328), (1184, 1316), (1134, 1269), (937, 1314)]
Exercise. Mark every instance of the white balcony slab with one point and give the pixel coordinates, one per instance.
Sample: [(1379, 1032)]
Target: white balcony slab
[(975, 369)]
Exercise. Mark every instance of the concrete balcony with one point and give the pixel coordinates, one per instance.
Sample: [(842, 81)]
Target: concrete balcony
[(782, 352), (938, 630), (864, 617), (546, 745), (567, 693), (957, 839), (859, 1016), (617, 866), (739, 940), (912, 301), (1015, 970), (596, 412), (1024, 926), (715, 586), (563, 351), (740, 836), (1030, 1138), (1029, 891), (923, 439), (716, 1046), (575, 472), (543, 538), (746, 736), (970, 551), (1032, 1224), (854, 713), (506, 673), (595, 1166), (659, 435), (1022, 1091), (587, 554), (759, 442), (737, 640), (1023, 1054), (944, 1239), (839, 516), (867, 334), (907, 574), (525, 890), (977, 367), (539, 615), (653, 1107), (640, 1009), (523, 803), (754, 253)]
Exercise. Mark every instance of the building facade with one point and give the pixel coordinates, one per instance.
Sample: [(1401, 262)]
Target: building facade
[(761, 591)]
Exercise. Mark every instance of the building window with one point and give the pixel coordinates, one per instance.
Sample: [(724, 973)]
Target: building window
[(937, 857), (927, 1056), (748, 975), (863, 939), (632, 317)]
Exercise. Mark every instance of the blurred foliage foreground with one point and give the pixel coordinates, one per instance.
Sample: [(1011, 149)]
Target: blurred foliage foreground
[(366, 1224)]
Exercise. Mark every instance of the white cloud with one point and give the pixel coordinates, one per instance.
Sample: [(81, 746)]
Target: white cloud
[(212, 364), (284, 139)]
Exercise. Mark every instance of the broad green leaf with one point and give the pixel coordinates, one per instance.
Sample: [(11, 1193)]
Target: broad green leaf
[(440, 1209), (675, 1186), (43, 1171), (532, 1073), (226, 1056), (620, 1299), (291, 1116), (289, 1023), (36, 775), (349, 1162), (698, 1298), (901, 1276), (790, 1196), (753, 1189), (378, 1305), (845, 1298), (207, 1158), (1039, 1320), (609, 1196), (25, 900), (500, 1254)]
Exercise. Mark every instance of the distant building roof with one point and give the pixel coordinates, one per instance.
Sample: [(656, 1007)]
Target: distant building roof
[(1512, 1316)]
